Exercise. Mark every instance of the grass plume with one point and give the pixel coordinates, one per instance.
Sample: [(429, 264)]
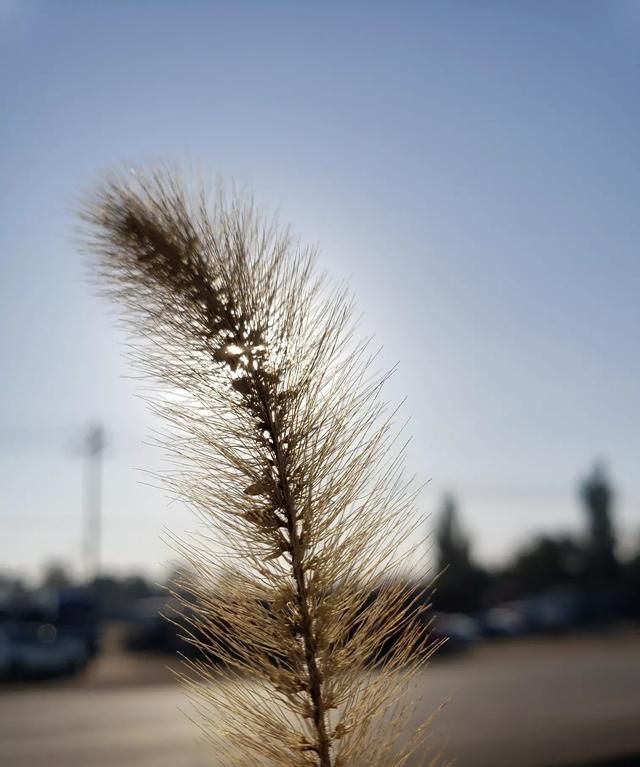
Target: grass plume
[(287, 452)]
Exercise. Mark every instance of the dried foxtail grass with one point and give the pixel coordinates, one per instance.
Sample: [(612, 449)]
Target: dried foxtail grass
[(287, 453)]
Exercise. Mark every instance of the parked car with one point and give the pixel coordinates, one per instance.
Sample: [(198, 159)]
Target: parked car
[(48, 634), (506, 620), (76, 617), (152, 626), (552, 611), (32, 650), (460, 631)]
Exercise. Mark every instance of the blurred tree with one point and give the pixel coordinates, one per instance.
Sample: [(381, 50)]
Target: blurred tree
[(117, 596), (544, 564), (56, 577), (137, 587), (11, 586), (461, 583), (453, 545), (601, 563)]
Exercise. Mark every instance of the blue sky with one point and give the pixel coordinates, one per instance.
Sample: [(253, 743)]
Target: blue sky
[(472, 168)]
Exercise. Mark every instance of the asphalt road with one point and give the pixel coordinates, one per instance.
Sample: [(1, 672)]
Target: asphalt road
[(512, 705)]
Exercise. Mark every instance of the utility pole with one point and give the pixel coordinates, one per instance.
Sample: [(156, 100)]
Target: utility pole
[(93, 451)]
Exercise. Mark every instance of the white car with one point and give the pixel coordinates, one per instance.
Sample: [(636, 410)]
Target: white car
[(41, 653)]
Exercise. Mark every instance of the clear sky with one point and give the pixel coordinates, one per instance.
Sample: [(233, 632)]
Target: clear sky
[(473, 169)]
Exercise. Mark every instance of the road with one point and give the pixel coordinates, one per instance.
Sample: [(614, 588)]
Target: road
[(512, 705)]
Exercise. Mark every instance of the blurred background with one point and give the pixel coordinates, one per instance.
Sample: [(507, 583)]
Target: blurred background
[(473, 170)]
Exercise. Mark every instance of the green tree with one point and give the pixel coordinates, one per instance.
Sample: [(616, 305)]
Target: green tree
[(461, 582), (56, 576), (601, 563), (545, 563)]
